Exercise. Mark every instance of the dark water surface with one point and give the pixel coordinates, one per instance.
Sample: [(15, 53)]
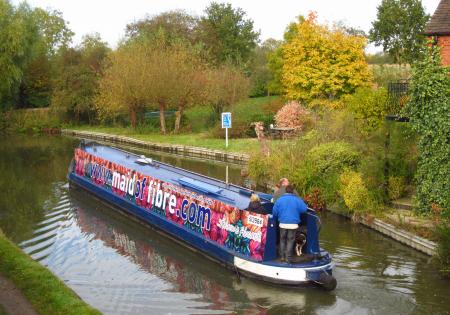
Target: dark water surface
[(122, 267)]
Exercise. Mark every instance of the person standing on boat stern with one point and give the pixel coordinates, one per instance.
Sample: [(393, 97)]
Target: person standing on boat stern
[(287, 211), (281, 189)]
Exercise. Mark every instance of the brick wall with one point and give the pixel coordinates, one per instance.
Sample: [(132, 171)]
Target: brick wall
[(444, 43)]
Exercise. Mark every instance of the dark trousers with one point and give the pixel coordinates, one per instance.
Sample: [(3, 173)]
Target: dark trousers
[(287, 240)]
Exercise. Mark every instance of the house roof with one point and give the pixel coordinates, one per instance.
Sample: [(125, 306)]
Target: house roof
[(439, 23)]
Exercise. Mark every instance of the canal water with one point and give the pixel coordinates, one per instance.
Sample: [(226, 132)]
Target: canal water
[(122, 267)]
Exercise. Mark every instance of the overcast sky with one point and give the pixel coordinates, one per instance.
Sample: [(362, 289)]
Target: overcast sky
[(109, 17)]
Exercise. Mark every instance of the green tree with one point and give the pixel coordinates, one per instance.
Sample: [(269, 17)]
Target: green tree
[(275, 65), (227, 34), (399, 29), (276, 61), (80, 70), (173, 26), (37, 83), (12, 48), (28, 39), (53, 30), (260, 73)]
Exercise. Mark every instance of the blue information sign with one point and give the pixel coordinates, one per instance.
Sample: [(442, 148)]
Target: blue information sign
[(226, 120)]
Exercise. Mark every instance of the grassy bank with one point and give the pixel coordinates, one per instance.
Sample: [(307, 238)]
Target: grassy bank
[(43, 289), (202, 128), (202, 139)]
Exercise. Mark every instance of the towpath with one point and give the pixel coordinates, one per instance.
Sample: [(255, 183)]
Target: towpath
[(12, 300)]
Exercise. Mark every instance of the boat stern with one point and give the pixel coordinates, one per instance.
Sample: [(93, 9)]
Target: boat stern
[(292, 274)]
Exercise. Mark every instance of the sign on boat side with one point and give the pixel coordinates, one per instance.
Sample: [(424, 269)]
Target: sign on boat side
[(239, 230)]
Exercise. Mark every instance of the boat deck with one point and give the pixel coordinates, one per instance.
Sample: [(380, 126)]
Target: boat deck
[(213, 188)]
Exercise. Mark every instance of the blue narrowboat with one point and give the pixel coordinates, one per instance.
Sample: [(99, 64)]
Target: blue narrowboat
[(206, 214)]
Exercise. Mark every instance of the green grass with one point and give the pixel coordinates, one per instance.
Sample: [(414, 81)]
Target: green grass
[(43, 289), (252, 107), (203, 140), (202, 118)]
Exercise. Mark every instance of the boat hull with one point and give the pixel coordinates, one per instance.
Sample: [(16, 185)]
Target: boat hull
[(272, 272)]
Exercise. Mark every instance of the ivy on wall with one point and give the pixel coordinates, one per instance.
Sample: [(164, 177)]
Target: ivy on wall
[(429, 112)]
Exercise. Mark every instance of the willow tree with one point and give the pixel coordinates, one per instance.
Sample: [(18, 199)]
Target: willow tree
[(12, 49), (125, 83), (188, 88), (147, 74), (176, 79), (225, 85), (29, 38), (161, 76)]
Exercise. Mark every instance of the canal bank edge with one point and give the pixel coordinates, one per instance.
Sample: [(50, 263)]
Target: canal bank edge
[(423, 245), (169, 148), (45, 291), (418, 243)]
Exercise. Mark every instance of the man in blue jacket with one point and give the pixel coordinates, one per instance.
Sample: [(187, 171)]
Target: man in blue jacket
[(287, 210)]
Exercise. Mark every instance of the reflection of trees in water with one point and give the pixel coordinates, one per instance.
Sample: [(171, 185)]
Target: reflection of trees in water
[(379, 263), (30, 166), (186, 271)]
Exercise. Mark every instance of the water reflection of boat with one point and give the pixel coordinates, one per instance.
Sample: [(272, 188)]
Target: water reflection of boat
[(154, 255), (206, 214)]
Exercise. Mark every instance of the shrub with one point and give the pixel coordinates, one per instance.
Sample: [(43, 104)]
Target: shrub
[(292, 115), (259, 168), (353, 191), (321, 166), (32, 119), (396, 187), (239, 129), (333, 157), (315, 199), (368, 106)]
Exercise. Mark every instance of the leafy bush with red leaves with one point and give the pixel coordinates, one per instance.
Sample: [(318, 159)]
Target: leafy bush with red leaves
[(293, 115), (315, 199)]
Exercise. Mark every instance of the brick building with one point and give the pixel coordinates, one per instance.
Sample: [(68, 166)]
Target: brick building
[(438, 28)]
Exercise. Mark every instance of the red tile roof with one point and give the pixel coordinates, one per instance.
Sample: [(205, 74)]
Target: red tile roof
[(439, 23)]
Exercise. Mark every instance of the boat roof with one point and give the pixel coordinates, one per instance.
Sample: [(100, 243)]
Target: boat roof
[(216, 189)]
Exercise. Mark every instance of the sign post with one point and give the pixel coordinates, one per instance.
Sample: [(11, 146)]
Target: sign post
[(226, 123)]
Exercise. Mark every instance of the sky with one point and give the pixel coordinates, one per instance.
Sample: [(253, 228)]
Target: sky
[(109, 17)]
